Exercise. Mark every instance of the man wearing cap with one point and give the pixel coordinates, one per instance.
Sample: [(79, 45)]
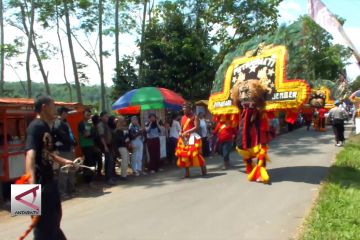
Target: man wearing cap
[(104, 132), (64, 143), (337, 116)]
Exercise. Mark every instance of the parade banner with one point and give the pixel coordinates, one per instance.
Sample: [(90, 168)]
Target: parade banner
[(269, 68), (325, 19)]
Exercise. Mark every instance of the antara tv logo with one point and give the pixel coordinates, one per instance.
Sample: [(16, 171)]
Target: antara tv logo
[(26, 199)]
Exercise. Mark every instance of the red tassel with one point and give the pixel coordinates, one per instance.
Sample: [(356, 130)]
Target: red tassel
[(24, 179)]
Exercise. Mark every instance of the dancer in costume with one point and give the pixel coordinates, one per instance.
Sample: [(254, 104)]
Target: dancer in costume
[(225, 138), (253, 135), (317, 101), (189, 146)]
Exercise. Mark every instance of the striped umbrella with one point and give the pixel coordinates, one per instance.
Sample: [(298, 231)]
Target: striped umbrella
[(148, 98)]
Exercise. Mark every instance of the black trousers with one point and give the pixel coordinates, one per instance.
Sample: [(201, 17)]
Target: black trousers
[(92, 156), (153, 145), (172, 148), (48, 226), (205, 147), (338, 128)]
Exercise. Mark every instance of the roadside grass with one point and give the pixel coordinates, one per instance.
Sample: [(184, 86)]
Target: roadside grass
[(336, 214)]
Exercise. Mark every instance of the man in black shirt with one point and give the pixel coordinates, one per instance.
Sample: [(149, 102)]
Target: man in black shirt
[(39, 158)]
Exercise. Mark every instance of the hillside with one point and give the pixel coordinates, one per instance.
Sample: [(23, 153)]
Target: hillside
[(60, 92)]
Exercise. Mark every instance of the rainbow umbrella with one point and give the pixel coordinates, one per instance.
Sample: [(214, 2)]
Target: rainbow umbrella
[(148, 98)]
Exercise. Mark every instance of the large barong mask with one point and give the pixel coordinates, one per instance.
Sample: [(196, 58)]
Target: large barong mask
[(317, 99)]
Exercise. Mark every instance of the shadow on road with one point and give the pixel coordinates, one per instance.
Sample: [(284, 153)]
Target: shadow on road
[(298, 145), (306, 174), (346, 177), (209, 175), (90, 192)]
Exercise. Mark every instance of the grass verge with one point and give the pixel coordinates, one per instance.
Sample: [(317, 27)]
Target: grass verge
[(336, 214)]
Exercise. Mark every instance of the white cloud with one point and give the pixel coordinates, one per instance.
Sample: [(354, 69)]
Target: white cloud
[(289, 11)]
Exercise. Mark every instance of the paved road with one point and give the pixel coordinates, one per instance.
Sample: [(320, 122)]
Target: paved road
[(223, 205)]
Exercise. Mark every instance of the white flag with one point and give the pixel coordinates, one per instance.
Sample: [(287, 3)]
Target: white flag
[(322, 16)]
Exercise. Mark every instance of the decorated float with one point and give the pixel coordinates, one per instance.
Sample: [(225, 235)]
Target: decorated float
[(251, 87)]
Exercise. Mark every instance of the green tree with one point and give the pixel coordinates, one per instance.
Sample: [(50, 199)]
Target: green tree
[(311, 55), (233, 22), (177, 53), (23, 18), (125, 78)]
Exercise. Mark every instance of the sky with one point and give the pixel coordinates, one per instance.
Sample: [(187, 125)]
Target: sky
[(289, 11)]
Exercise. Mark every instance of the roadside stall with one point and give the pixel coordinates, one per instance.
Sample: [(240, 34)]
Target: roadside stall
[(15, 116)]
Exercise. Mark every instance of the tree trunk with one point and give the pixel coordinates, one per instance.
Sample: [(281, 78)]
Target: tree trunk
[(103, 93), (71, 48), (142, 44), (42, 70), (151, 7), (28, 52), (117, 57), (2, 54), (31, 35), (62, 53)]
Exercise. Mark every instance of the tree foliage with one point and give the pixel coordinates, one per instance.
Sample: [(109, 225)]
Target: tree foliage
[(126, 77), (311, 55), (182, 42), (177, 53)]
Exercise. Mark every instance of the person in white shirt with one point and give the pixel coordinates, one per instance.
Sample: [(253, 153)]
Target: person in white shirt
[(337, 115), (175, 129), (204, 134)]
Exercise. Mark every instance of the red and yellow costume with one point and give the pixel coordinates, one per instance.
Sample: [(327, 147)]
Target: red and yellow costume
[(188, 149), (251, 142), (319, 122)]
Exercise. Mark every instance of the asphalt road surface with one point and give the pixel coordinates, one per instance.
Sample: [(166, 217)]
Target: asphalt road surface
[(222, 205)]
